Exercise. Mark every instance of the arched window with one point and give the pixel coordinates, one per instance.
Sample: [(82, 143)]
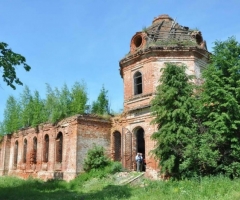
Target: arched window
[(25, 151), (59, 147), (34, 152), (137, 83), (15, 154), (117, 146), (46, 148)]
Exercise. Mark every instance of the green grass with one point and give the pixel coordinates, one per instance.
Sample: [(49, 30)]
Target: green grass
[(97, 186)]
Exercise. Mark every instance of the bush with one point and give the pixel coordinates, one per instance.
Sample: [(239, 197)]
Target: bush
[(115, 167), (95, 159)]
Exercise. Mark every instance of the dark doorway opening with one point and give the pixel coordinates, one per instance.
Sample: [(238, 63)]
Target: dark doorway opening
[(141, 144)]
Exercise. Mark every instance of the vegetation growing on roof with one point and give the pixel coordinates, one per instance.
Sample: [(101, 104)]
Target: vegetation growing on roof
[(173, 43)]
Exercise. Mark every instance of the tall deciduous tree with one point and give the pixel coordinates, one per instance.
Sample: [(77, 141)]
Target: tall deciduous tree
[(26, 107), (221, 110), (2, 131), (12, 115), (8, 61), (51, 105), (79, 98), (64, 97), (172, 108), (38, 110), (101, 105)]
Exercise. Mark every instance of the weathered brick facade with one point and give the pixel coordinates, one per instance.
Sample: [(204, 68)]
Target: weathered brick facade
[(164, 41), (59, 151), (53, 151)]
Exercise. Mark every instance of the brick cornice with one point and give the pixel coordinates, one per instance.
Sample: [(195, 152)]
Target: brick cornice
[(162, 52)]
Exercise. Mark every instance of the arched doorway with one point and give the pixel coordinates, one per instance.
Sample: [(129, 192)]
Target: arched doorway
[(140, 141), (117, 146), (140, 144)]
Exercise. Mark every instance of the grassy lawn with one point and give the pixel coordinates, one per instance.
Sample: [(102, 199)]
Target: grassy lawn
[(104, 188)]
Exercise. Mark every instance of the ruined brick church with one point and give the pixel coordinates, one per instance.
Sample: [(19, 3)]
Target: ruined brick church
[(58, 151)]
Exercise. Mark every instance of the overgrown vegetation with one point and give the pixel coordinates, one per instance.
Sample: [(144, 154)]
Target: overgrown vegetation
[(174, 113), (174, 42), (90, 187), (199, 130), (30, 110), (101, 105), (95, 159)]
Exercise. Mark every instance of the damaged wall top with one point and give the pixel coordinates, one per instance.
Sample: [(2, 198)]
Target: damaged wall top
[(165, 33)]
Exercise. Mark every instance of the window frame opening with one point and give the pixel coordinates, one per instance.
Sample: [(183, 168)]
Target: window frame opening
[(34, 152), (138, 83), (117, 146), (46, 148), (25, 151), (59, 147), (15, 161)]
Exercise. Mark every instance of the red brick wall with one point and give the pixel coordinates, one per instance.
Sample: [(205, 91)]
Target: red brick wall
[(137, 107), (92, 131), (86, 129)]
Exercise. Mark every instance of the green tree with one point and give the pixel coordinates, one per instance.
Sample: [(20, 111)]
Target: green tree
[(2, 130), (38, 110), (173, 111), (95, 159), (26, 107), (220, 111), (79, 98), (8, 61), (51, 105), (65, 100), (101, 106), (12, 115)]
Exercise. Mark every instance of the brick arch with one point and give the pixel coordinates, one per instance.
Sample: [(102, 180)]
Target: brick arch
[(117, 145)]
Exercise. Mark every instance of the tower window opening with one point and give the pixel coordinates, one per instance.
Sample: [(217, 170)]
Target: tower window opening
[(137, 41), (137, 83)]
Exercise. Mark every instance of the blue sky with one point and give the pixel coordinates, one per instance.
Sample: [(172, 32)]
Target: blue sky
[(65, 41)]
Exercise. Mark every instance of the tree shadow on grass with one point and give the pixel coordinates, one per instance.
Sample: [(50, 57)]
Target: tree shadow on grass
[(109, 192), (54, 190)]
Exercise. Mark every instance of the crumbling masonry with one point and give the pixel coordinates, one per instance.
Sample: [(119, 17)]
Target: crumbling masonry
[(58, 151)]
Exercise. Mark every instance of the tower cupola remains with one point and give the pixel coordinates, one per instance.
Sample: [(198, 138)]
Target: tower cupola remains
[(164, 33)]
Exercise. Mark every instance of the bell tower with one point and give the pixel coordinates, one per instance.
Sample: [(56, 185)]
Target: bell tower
[(150, 49)]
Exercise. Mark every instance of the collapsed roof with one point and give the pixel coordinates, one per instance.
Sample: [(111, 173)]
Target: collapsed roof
[(166, 32)]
